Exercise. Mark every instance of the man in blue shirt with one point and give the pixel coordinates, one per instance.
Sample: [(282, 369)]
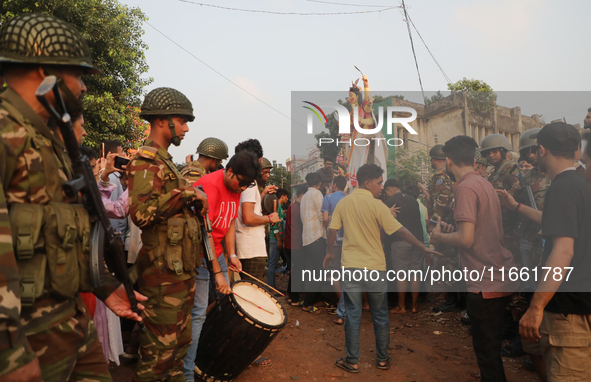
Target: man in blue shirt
[(329, 204)]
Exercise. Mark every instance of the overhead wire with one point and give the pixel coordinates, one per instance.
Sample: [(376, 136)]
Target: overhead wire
[(428, 50), (413, 49), (220, 74), (289, 13), (350, 5)]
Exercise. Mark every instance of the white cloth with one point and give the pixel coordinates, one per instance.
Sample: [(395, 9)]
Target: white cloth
[(250, 240), (108, 328), (311, 212)]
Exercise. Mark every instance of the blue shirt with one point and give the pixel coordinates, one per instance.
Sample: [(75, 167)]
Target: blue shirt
[(328, 205)]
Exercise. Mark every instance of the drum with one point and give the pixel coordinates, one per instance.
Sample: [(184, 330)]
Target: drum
[(268, 204), (235, 335)]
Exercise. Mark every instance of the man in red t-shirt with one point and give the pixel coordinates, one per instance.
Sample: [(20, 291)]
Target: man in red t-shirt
[(223, 188), (479, 237)]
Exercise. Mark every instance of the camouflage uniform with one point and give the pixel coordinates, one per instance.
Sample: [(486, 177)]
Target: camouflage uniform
[(504, 177), (193, 172), (158, 193), (41, 313), (440, 204), (531, 240)]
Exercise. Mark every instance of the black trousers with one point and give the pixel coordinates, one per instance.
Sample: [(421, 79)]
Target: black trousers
[(314, 254), (487, 316), (293, 296)]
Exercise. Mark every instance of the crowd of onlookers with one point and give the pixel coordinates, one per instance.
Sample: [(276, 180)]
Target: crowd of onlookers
[(379, 226), (384, 225)]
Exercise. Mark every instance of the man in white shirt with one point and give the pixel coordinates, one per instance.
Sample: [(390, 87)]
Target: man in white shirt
[(313, 235), (250, 227)]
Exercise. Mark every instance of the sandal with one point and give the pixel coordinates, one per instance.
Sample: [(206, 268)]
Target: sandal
[(298, 303), (313, 310), (328, 306), (261, 362), (385, 366), (345, 365)]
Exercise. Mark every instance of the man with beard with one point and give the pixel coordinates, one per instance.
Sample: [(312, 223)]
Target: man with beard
[(479, 235), (587, 120)]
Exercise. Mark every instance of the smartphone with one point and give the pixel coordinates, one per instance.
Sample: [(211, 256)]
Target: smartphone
[(434, 222), (120, 162)]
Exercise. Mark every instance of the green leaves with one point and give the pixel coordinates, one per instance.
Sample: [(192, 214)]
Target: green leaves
[(113, 33)]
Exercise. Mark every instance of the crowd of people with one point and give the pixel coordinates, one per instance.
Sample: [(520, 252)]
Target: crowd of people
[(485, 209)]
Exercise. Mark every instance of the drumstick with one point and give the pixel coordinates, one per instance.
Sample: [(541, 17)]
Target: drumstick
[(249, 275), (250, 302)]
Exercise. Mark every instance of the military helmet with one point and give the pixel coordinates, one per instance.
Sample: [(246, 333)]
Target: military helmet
[(479, 158), (35, 38), (525, 140), (167, 101), (436, 152), (495, 141), (266, 163), (213, 148)]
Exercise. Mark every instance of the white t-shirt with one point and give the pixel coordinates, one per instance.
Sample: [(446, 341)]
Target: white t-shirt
[(250, 240)]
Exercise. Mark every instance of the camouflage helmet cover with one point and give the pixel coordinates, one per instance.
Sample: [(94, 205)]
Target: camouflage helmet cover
[(436, 152), (167, 101), (495, 141), (36, 38), (266, 163), (525, 140), (213, 148), (479, 158)]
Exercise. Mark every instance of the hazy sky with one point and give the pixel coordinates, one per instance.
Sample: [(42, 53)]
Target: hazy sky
[(513, 45)]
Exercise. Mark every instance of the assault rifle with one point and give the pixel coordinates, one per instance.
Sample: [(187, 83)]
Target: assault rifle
[(209, 254), (84, 183), (531, 202)]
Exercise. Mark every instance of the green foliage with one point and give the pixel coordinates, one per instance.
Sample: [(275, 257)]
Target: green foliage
[(410, 167), (434, 98), (329, 151), (481, 97), (113, 33), (280, 177)]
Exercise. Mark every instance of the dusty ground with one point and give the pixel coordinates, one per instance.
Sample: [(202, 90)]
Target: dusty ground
[(307, 352)]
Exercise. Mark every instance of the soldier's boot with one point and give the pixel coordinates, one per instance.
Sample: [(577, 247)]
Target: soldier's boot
[(514, 349)]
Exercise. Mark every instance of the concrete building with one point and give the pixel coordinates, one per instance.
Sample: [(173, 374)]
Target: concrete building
[(452, 116), (306, 165)]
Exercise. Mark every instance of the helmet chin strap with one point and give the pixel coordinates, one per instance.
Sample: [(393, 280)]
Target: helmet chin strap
[(175, 138), (73, 104)]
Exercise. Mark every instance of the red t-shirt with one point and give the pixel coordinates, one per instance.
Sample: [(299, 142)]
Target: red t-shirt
[(478, 203), (223, 205)]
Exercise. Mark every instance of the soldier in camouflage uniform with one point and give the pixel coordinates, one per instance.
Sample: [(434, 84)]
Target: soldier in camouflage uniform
[(503, 176), (212, 152), (45, 329), (530, 239), (440, 204), (481, 163), (171, 237)]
